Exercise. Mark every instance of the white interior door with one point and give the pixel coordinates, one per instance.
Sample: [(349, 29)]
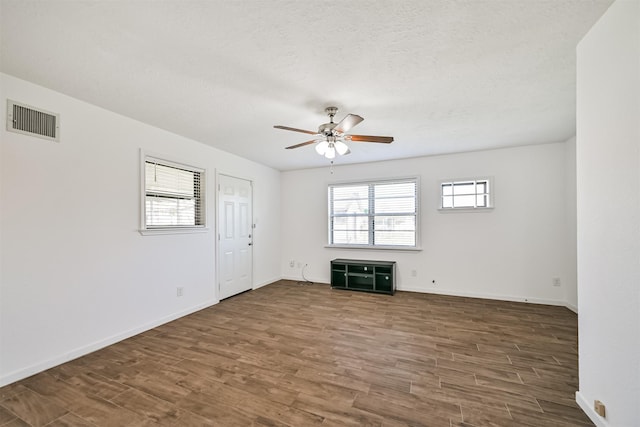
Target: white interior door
[(234, 235)]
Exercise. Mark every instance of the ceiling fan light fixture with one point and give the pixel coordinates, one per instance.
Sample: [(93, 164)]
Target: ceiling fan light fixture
[(321, 147), (331, 151), (341, 148)]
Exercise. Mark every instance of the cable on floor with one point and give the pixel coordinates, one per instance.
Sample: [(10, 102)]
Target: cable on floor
[(304, 280)]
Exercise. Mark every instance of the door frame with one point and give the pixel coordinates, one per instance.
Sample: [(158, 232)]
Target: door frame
[(217, 232)]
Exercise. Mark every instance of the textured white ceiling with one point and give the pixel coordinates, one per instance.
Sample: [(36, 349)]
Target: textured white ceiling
[(440, 76)]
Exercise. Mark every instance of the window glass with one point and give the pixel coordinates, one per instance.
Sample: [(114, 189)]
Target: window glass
[(465, 194), (173, 195), (374, 213)]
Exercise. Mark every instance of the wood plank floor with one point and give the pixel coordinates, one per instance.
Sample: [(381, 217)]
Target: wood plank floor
[(306, 355)]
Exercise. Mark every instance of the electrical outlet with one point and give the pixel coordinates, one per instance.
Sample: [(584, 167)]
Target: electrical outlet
[(292, 263), (599, 408), (179, 291), (556, 281)]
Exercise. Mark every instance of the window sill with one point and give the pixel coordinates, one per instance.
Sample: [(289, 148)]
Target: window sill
[(375, 248), (462, 210), (177, 230)]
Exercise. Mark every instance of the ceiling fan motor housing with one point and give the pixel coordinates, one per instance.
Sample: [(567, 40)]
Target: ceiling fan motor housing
[(326, 129)]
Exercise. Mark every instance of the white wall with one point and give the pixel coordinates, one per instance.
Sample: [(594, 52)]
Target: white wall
[(608, 179), (571, 290), (512, 252), (75, 274)]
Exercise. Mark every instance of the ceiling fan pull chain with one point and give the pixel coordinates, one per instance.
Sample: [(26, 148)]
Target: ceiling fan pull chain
[(331, 169)]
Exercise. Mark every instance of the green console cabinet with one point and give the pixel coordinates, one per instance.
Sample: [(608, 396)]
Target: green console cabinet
[(362, 275)]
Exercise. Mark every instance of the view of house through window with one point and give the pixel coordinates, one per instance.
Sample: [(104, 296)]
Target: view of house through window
[(173, 195), (374, 213)]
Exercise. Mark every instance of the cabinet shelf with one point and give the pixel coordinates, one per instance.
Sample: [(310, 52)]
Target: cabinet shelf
[(363, 275)]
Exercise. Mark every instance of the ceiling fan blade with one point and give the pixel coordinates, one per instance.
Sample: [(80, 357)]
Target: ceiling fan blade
[(348, 122), (310, 132), (302, 144), (369, 138)]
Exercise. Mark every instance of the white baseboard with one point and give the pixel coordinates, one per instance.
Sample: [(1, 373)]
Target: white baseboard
[(484, 296), (572, 307), (461, 294), (300, 279), (588, 409), (265, 283), (84, 350)]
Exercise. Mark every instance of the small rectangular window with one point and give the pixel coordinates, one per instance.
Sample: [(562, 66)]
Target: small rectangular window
[(173, 195), (374, 214), (466, 194)]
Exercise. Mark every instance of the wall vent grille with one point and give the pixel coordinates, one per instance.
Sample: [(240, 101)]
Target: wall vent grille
[(29, 120)]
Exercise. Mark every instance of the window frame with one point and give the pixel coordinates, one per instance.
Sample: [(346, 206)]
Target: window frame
[(371, 216), (145, 229), (475, 180)]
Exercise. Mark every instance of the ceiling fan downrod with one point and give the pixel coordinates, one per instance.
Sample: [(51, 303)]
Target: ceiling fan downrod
[(326, 129), (331, 112)]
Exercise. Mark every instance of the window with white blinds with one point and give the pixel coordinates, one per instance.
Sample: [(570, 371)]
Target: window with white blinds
[(173, 195), (374, 214)]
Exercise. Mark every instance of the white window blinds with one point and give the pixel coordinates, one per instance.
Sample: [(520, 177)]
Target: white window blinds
[(173, 195), (383, 213)]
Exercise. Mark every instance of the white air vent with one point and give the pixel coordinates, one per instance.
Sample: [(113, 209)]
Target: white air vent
[(28, 120)]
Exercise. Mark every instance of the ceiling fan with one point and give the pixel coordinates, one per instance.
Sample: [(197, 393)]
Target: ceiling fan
[(330, 137)]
